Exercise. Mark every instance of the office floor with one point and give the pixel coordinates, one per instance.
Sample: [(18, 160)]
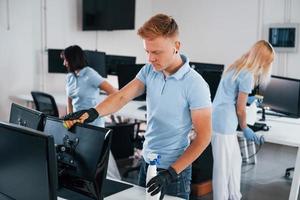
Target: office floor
[(265, 180)]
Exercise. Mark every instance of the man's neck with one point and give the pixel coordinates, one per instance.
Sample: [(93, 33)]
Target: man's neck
[(174, 67)]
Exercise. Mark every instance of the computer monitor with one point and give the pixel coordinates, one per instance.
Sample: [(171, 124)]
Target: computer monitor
[(26, 117), (28, 165), (212, 74), (113, 60), (282, 95), (127, 73), (55, 63), (96, 60), (82, 156)]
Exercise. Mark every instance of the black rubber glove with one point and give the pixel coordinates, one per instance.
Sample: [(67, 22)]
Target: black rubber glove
[(160, 181), (92, 112)]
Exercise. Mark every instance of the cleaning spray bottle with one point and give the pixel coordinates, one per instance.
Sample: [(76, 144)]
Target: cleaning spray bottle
[(152, 172)]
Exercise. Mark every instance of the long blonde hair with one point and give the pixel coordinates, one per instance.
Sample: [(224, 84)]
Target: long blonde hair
[(257, 60)]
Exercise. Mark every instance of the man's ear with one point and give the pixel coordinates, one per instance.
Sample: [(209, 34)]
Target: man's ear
[(177, 46)]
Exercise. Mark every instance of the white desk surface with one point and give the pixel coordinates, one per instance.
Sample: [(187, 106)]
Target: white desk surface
[(283, 131), (130, 110), (286, 131), (133, 193)]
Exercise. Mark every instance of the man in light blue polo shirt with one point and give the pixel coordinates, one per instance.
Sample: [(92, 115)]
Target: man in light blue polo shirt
[(177, 99)]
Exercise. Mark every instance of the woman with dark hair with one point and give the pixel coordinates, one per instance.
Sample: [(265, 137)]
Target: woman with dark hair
[(83, 83), (83, 86)]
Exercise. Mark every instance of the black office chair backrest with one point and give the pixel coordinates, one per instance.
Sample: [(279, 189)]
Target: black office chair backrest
[(122, 144), (45, 103)]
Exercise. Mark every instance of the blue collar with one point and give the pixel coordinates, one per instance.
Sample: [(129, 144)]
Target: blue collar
[(185, 68)]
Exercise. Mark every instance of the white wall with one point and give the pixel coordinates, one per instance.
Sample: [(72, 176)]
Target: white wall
[(211, 31), (20, 41)]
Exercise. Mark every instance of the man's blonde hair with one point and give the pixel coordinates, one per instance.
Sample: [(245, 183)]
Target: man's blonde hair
[(159, 25), (257, 60)]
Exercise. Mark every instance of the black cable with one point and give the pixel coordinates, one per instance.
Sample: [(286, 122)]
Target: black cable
[(257, 150)]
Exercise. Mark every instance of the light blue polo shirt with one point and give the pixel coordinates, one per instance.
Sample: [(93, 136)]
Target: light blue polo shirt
[(169, 104), (224, 118), (84, 90)]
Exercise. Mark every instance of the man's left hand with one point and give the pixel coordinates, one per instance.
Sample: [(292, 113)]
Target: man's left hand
[(160, 181)]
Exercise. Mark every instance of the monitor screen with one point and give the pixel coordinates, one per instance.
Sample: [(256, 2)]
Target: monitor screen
[(28, 165), (211, 73), (282, 37), (82, 154), (282, 95), (127, 73), (108, 14), (26, 117), (55, 63), (96, 60), (113, 60)]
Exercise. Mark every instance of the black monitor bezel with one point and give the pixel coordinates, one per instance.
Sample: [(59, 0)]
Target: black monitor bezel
[(51, 155), (28, 110), (288, 114), (73, 131), (143, 96), (111, 62), (202, 68)]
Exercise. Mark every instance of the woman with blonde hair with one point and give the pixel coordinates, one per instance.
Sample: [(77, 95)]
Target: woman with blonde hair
[(229, 110)]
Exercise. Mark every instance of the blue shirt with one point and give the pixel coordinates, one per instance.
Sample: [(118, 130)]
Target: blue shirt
[(224, 118), (84, 90), (169, 104)]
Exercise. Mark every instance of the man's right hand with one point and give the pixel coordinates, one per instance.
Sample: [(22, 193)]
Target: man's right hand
[(81, 116)]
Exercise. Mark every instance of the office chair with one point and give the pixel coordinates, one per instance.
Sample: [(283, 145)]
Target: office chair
[(125, 140), (288, 171), (45, 103)]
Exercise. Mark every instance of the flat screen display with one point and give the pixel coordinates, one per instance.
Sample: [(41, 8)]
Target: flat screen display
[(282, 37), (211, 73), (108, 14), (26, 117), (55, 63), (282, 95), (127, 73), (94, 59), (28, 165), (111, 62)]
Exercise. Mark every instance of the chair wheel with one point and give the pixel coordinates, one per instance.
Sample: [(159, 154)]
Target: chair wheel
[(287, 174)]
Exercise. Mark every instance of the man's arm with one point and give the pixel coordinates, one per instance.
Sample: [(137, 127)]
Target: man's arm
[(117, 100), (111, 104), (69, 105), (201, 119)]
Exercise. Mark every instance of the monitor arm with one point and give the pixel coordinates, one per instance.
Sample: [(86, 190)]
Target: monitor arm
[(66, 152)]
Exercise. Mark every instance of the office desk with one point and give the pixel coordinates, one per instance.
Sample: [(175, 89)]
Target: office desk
[(133, 193), (130, 110), (285, 131)]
